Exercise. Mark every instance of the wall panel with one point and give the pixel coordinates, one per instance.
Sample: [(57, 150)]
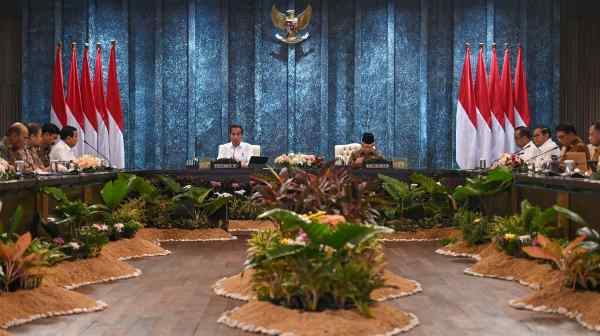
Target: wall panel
[(189, 68)]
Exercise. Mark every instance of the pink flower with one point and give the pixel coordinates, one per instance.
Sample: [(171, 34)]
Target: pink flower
[(58, 241), (235, 185), (302, 236), (215, 184)]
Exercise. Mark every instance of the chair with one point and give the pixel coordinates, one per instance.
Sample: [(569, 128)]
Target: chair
[(343, 152), (255, 150)]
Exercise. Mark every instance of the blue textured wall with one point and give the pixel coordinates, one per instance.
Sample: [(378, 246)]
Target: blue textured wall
[(188, 68)]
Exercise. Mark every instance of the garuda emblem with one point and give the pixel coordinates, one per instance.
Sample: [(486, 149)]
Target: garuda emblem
[(292, 24)]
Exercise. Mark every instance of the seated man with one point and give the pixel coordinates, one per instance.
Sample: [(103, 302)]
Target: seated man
[(236, 149), (13, 147), (34, 144), (523, 141), (50, 135), (366, 152), (546, 146), (567, 136), (594, 137), (63, 149)]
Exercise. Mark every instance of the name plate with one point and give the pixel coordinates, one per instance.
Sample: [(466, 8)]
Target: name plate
[(378, 165), (216, 165)]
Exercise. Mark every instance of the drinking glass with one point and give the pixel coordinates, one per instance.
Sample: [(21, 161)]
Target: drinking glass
[(569, 166), (19, 167)]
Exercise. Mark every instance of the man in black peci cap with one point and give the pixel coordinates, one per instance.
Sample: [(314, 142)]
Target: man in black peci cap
[(367, 152)]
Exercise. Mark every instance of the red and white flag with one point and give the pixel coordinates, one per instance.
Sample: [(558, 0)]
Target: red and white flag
[(522, 116), (75, 116), (89, 107), (100, 100), (466, 120), (58, 113), (484, 116), (115, 113), (508, 104), (497, 106)]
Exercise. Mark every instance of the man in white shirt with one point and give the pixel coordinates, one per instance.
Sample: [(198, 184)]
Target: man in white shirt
[(236, 149), (522, 139), (546, 146), (63, 149)]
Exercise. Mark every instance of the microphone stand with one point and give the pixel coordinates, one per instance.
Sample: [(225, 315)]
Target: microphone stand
[(542, 154), (99, 154)]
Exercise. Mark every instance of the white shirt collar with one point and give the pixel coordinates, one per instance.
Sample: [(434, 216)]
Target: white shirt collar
[(549, 143), (241, 145)]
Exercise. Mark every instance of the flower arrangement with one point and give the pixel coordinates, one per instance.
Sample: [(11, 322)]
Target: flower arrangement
[(88, 162), (126, 230), (90, 241), (316, 262), (508, 161), (4, 166), (7, 172), (298, 160)]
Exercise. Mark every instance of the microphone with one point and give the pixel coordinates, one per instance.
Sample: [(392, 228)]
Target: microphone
[(544, 153), (97, 152)]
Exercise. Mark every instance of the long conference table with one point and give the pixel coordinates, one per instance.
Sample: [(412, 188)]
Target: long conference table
[(579, 195)]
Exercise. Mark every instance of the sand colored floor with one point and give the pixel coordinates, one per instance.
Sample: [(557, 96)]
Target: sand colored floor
[(174, 297)]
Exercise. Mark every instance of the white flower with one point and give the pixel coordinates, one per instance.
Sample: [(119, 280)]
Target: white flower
[(119, 227), (88, 161), (296, 159), (240, 192), (525, 238), (74, 245), (99, 227), (3, 166), (226, 195)]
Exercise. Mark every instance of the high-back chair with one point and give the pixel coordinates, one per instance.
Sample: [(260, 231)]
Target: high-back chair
[(343, 152), (255, 150)]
